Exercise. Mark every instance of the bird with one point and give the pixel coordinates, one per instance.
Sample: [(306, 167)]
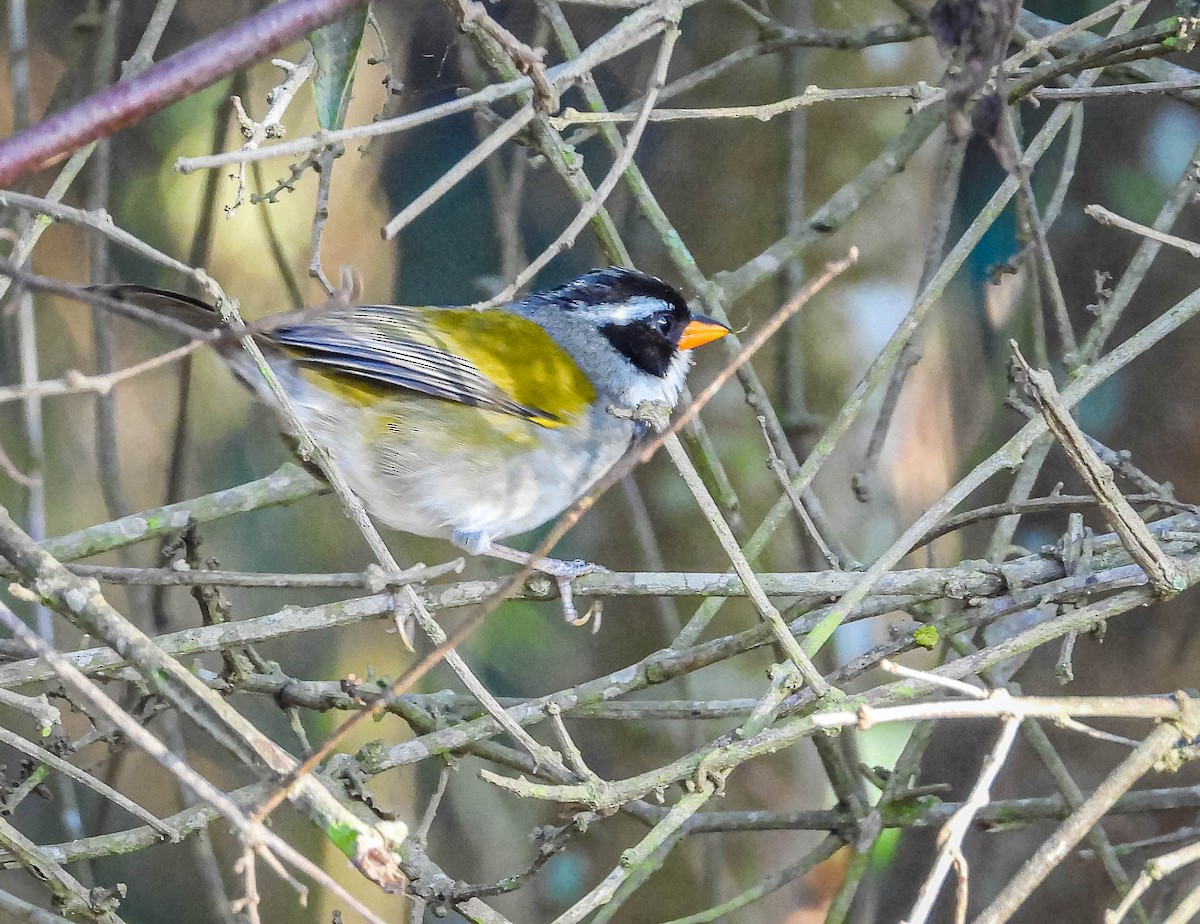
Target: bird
[(465, 424)]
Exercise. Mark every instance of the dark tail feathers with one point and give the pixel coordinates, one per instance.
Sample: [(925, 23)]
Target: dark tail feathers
[(159, 307)]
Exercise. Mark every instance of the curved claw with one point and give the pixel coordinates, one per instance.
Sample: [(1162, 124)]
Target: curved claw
[(563, 572), (406, 628), (567, 596)]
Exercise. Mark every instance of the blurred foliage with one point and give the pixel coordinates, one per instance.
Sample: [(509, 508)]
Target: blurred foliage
[(721, 183)]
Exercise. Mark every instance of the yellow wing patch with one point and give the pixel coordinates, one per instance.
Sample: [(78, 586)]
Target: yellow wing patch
[(518, 357), (493, 360)]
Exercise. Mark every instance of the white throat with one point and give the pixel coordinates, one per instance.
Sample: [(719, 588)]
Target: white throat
[(664, 390)]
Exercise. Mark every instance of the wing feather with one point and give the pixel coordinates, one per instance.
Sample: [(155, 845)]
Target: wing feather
[(394, 346)]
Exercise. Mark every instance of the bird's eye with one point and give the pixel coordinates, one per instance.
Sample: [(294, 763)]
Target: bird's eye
[(662, 324)]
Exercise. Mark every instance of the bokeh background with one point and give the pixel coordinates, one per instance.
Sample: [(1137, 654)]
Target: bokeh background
[(725, 185)]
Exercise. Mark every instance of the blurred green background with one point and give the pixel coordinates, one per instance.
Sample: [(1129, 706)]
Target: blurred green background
[(724, 185)]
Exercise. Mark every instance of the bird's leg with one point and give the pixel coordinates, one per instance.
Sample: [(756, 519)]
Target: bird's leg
[(561, 572)]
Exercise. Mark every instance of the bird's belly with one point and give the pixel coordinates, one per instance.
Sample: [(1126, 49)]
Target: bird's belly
[(432, 467)]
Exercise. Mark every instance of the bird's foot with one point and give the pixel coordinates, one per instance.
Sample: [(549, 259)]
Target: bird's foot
[(560, 571), (560, 568), (563, 573)]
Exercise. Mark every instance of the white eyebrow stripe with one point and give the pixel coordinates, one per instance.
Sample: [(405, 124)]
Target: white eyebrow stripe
[(637, 308)]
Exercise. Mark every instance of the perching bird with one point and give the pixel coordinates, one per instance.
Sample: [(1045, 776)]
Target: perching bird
[(473, 425)]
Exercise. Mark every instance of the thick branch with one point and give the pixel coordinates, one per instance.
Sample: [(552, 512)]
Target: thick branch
[(253, 39)]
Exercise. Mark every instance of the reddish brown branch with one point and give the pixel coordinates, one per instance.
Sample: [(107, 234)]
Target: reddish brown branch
[(194, 68)]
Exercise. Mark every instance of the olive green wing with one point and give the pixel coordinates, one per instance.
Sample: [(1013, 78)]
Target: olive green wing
[(488, 359)]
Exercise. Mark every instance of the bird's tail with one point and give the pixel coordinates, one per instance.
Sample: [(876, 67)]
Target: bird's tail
[(193, 319), (161, 308)]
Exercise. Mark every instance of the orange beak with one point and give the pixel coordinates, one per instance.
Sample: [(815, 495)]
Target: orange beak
[(701, 330)]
